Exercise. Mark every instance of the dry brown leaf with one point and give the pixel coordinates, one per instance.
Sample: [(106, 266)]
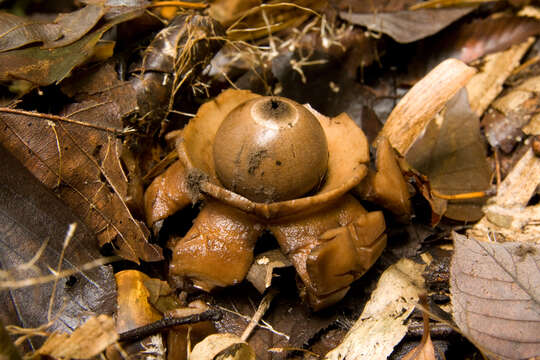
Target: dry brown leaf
[(87, 341), (85, 166), (134, 308), (425, 349), (415, 110), (261, 272), (508, 218), (485, 86), (67, 28), (453, 158), (252, 20), (507, 115), (46, 66), (407, 26), (34, 225), (383, 322), (472, 40), (17, 31), (496, 296), (222, 347)]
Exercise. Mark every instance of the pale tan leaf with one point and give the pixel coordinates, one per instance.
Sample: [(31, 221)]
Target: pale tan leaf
[(485, 86), (87, 341), (222, 347), (496, 296), (507, 216), (383, 322)]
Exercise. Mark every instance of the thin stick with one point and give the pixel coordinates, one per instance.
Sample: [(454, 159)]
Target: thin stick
[(525, 65), (69, 235), (18, 284), (261, 310), (463, 196), (497, 166), (183, 4), (158, 326), (263, 325), (60, 118)]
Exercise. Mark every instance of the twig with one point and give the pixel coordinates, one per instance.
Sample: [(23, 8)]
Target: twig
[(497, 166), (263, 325), (184, 4), (17, 284), (61, 118), (69, 235), (462, 196), (263, 306), (158, 326)]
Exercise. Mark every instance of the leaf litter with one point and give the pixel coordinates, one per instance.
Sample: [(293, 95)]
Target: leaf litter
[(33, 227), (496, 295), (112, 167)]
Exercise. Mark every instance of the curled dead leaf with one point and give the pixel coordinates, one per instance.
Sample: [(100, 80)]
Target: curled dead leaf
[(261, 272), (222, 347), (87, 341), (46, 66), (134, 308)]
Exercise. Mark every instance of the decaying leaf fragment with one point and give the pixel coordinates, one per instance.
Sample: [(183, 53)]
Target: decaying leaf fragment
[(407, 26), (67, 28), (43, 67), (87, 341), (496, 296), (508, 218), (452, 156), (424, 350), (134, 308), (222, 347), (181, 339), (383, 322), (261, 272), (485, 86)]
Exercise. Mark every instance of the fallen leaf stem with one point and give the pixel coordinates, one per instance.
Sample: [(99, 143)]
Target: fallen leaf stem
[(60, 118), (163, 324)]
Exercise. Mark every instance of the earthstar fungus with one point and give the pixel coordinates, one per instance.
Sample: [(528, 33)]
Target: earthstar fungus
[(326, 233)]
